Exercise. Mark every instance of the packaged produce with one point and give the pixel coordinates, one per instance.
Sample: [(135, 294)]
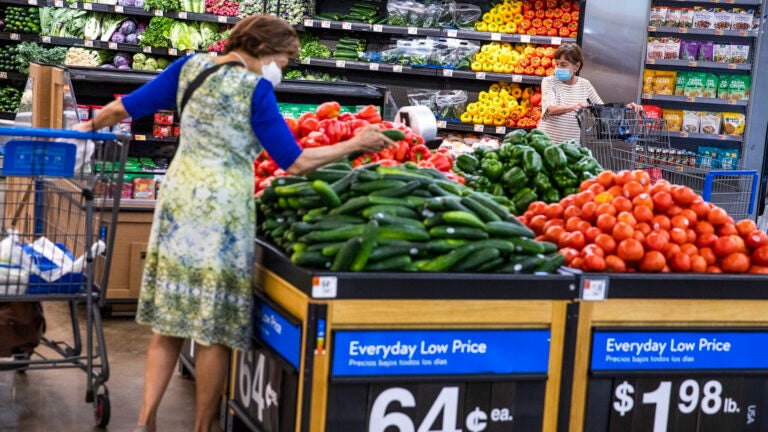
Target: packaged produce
[(672, 49), (723, 19), (674, 119), (703, 18), (649, 75), (722, 53), (658, 16), (711, 84), (706, 51), (682, 76), (673, 17), (691, 122), (451, 104), (710, 122), (733, 123), (739, 53), (423, 97), (465, 14), (742, 19), (164, 117), (686, 17), (664, 82), (656, 48), (722, 88), (689, 50), (739, 87), (708, 158), (694, 84)]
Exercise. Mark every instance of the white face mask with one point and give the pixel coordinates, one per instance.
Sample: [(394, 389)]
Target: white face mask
[(272, 73)]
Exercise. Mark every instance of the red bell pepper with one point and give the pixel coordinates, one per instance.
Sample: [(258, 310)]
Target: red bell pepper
[(356, 124), (266, 168), (418, 153), (401, 154), (315, 139), (386, 154), (335, 130), (450, 175), (417, 139), (293, 125), (346, 117), (366, 158), (388, 162), (441, 161), (425, 164), (308, 125), (370, 114), (328, 110)]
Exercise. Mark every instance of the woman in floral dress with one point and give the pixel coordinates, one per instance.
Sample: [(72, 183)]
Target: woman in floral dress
[(197, 278)]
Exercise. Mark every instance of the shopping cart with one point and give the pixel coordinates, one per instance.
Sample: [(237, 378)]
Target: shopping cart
[(59, 202), (625, 140)]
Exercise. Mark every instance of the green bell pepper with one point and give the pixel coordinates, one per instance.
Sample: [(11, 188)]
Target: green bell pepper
[(482, 184), (572, 151), (505, 151), (531, 162), (565, 178), (551, 196), (570, 191), (467, 163), (540, 142), (514, 178), (516, 137), (541, 183), (492, 168), (491, 154), (512, 208), (554, 157), (524, 198), (588, 164), (498, 189)]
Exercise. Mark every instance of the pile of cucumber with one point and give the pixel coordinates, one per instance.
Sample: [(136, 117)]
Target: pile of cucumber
[(404, 218), (362, 12), (348, 48)]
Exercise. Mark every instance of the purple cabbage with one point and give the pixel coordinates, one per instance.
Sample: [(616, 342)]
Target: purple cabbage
[(138, 3), (132, 39), (117, 37), (141, 27), (107, 66), (128, 27), (122, 59), (124, 67)]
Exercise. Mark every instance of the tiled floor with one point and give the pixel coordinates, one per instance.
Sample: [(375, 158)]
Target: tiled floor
[(54, 401)]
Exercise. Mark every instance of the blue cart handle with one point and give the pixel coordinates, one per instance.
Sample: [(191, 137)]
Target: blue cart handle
[(709, 180), (61, 133)]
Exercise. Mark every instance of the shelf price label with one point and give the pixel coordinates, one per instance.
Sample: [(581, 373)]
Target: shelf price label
[(306, 61), (447, 72), (341, 64), (650, 61), (651, 28), (119, 9), (731, 66), (743, 33), (181, 15), (525, 38), (15, 36), (112, 45), (3, 75), (722, 137), (442, 124), (325, 24), (87, 6), (501, 129), (309, 23), (58, 3), (684, 134), (173, 51), (213, 54), (682, 30), (222, 19), (158, 13), (731, 102), (495, 36), (693, 64), (88, 43), (146, 49), (517, 78), (397, 68), (413, 30), (45, 39), (557, 41), (373, 66), (140, 137), (719, 32), (32, 2), (594, 289), (346, 26), (378, 28), (325, 286), (452, 33), (480, 75), (479, 128)]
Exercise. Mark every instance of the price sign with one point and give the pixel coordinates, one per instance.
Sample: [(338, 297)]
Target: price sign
[(213, 54), (693, 64), (495, 36), (306, 60), (452, 33), (341, 64), (119, 9), (309, 23), (173, 51), (525, 38), (479, 128), (480, 75), (88, 43), (32, 2), (87, 6), (397, 68), (683, 30), (158, 13), (373, 66), (413, 30), (181, 15), (557, 41), (731, 66), (690, 99), (45, 39), (58, 3), (594, 288), (324, 286), (719, 32), (325, 24), (222, 19), (147, 49), (140, 137), (651, 28), (15, 36), (501, 130), (346, 26), (112, 45), (447, 72), (378, 28), (650, 61), (517, 78), (441, 124), (3, 75)]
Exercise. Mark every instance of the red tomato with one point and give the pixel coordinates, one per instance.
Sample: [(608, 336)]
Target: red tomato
[(606, 243), (735, 263), (615, 264), (760, 256), (653, 262), (630, 250), (593, 263), (756, 238), (680, 263)]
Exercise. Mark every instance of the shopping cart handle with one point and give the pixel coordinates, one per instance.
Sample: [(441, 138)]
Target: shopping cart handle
[(60, 133)]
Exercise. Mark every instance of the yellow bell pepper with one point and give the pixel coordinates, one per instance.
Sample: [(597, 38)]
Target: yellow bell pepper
[(516, 93), (482, 96), (509, 68), (472, 109), (487, 67), (495, 88), (478, 119), (493, 27), (528, 92), (476, 66), (480, 57), (498, 68), (466, 117), (517, 18), (511, 27), (487, 18), (516, 7), (497, 101), (487, 120), (481, 26), (499, 121)]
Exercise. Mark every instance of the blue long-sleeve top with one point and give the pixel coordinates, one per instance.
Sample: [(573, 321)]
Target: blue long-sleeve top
[(267, 122)]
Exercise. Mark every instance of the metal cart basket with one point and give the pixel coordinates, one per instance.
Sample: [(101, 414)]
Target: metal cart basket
[(625, 140), (59, 200)]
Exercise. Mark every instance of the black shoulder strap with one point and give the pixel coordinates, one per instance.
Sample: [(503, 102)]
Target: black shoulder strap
[(198, 81)]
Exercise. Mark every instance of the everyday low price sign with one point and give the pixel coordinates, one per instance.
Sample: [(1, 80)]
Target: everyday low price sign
[(440, 352), (277, 332)]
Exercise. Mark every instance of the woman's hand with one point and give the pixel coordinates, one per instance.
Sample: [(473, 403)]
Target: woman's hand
[(634, 107), (372, 140)]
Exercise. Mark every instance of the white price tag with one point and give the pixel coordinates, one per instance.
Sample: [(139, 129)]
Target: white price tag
[(517, 78), (453, 33), (173, 51), (346, 26), (182, 15), (58, 3), (495, 36), (87, 6), (373, 66), (45, 39), (341, 64), (557, 41), (213, 54), (325, 24), (88, 43), (501, 130), (3, 75), (441, 124), (324, 286), (140, 137), (146, 49), (309, 23), (447, 72), (306, 61), (112, 45), (222, 19), (413, 30), (119, 9), (525, 38), (397, 68), (479, 128), (378, 28), (594, 288), (158, 13), (32, 2), (15, 36), (480, 75)]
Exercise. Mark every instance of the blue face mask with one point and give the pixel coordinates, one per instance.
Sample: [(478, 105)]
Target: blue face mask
[(563, 74)]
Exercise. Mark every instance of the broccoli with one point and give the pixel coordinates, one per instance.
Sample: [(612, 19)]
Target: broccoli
[(162, 63)]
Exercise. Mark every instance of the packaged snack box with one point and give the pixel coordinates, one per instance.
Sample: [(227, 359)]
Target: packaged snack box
[(706, 51), (694, 84), (658, 16), (739, 87), (708, 158), (710, 86), (722, 88), (691, 122), (680, 83), (710, 123), (648, 77), (664, 82), (686, 17), (674, 119), (733, 123)]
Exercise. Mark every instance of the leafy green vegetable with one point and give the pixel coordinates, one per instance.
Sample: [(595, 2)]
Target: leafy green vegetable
[(32, 52), (109, 24), (185, 36), (310, 47), (157, 33), (164, 5)]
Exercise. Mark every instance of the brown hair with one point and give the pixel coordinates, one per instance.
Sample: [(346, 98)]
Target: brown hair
[(570, 52), (263, 35)]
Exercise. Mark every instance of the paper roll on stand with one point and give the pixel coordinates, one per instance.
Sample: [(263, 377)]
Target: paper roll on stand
[(420, 119)]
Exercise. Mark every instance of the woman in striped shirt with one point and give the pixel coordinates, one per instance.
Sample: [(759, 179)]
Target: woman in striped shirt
[(565, 93)]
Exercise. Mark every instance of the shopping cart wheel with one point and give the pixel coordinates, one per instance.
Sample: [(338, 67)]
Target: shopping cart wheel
[(101, 410)]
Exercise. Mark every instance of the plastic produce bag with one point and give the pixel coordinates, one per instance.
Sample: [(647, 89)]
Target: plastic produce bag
[(466, 15), (423, 97), (451, 104)]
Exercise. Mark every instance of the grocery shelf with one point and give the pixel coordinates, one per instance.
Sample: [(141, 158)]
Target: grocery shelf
[(432, 32), (492, 76), (723, 2), (709, 137), (78, 73), (415, 285), (150, 138), (126, 10), (97, 44), (707, 32), (699, 64), (470, 127), (681, 285), (698, 100)]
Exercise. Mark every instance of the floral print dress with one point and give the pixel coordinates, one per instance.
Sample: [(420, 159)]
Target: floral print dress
[(197, 279)]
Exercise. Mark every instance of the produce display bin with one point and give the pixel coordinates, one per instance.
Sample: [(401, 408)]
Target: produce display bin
[(671, 352), (381, 351)]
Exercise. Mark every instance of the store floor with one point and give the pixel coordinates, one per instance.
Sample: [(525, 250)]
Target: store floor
[(53, 400)]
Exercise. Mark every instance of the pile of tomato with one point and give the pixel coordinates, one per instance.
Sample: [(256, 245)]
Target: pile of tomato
[(620, 222)]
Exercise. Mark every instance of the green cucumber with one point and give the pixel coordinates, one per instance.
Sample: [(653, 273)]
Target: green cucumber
[(398, 192), (480, 209), (347, 254), (442, 246), (393, 210), (366, 175), (406, 248), (408, 232), (527, 246), (310, 259), (476, 259), (302, 228), (369, 241), (508, 229), (416, 201), (463, 218), (394, 134), (327, 175), (333, 249), (398, 262), (433, 221), (550, 264), (503, 246), (343, 184), (327, 194), (334, 235), (291, 189), (451, 187), (373, 186), (445, 262), (288, 180), (457, 232), (352, 206), (500, 211), (437, 191), (318, 247), (304, 203), (490, 265), (390, 219), (549, 248)]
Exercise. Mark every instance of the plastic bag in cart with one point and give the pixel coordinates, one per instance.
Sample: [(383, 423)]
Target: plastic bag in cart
[(610, 121), (50, 261), (14, 280)]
